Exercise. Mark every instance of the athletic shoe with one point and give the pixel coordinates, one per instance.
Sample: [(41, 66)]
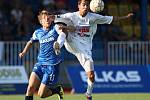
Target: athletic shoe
[(56, 48), (88, 97), (60, 93)]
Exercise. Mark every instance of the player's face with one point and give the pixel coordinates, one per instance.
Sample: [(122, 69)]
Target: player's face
[(83, 7), (46, 19)]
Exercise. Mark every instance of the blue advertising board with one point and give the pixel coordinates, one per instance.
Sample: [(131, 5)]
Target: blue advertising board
[(111, 79), (13, 88)]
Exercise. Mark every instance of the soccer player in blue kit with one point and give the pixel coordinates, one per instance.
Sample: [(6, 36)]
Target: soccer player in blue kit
[(45, 72)]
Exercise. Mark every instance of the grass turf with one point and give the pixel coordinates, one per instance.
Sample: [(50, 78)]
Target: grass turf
[(115, 96)]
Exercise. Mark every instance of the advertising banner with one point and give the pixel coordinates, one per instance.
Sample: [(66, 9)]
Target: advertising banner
[(13, 80), (112, 79)]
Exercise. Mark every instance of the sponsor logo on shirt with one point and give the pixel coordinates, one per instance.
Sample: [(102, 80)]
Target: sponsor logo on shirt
[(82, 30), (47, 40)]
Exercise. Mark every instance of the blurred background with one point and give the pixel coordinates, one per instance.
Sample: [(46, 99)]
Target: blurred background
[(123, 43)]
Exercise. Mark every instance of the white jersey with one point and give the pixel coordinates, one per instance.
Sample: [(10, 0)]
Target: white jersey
[(81, 40)]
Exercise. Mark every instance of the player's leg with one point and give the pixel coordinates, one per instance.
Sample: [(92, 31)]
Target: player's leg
[(32, 86), (46, 91), (34, 81), (91, 78), (49, 80), (87, 64), (90, 82)]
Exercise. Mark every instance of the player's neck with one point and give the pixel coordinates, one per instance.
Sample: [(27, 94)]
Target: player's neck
[(46, 28), (83, 14)]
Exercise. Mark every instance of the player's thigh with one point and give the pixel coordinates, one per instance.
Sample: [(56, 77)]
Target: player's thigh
[(85, 61), (34, 81), (49, 80)]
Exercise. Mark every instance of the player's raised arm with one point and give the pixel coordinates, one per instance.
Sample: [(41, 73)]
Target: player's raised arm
[(65, 23), (27, 47), (117, 18), (62, 34)]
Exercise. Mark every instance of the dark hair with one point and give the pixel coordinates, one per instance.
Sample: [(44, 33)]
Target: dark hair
[(79, 1), (44, 11)]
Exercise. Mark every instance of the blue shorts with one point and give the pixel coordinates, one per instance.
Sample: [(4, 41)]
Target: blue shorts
[(48, 74)]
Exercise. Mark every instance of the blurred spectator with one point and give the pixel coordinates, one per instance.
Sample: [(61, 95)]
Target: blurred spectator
[(113, 33), (24, 30), (137, 14), (16, 14), (18, 20), (49, 4), (73, 5), (147, 37), (6, 32), (134, 37), (5, 27), (1, 19), (34, 3), (28, 14), (61, 6)]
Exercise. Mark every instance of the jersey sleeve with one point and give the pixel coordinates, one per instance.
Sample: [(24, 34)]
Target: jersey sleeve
[(34, 37), (66, 15), (56, 28), (62, 36), (99, 19)]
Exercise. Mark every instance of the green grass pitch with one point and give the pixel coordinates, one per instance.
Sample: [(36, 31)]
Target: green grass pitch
[(115, 96)]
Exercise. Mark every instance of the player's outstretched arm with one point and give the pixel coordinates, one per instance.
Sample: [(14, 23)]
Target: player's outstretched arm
[(27, 47), (65, 23), (123, 17)]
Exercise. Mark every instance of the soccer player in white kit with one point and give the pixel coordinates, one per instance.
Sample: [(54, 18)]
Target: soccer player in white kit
[(79, 42)]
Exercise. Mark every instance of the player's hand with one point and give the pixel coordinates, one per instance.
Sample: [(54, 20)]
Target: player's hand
[(60, 26), (71, 28), (129, 15), (21, 54), (68, 28), (56, 48)]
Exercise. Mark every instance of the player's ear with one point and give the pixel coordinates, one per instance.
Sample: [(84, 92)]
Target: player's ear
[(39, 19), (53, 17)]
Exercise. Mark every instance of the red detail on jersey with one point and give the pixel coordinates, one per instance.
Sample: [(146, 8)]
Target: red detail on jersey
[(83, 30)]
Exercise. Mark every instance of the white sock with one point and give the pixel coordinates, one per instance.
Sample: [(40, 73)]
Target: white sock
[(89, 88), (61, 39)]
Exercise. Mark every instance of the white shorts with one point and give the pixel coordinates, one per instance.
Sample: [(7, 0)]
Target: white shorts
[(86, 61)]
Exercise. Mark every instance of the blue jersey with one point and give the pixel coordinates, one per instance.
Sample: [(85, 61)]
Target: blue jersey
[(46, 39)]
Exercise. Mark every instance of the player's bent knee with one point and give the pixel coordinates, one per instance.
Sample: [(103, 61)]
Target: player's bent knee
[(92, 77), (31, 89)]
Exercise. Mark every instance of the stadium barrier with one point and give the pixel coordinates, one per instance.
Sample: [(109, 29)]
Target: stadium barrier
[(11, 52), (128, 53), (118, 53)]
